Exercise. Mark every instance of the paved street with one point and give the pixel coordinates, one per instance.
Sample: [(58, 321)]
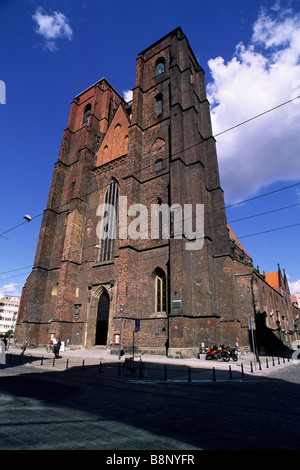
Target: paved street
[(84, 401)]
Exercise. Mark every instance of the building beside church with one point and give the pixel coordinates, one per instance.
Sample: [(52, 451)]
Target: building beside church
[(135, 225), (9, 306)]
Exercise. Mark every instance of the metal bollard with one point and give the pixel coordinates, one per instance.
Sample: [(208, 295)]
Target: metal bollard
[(53, 362), (242, 369), (100, 367), (82, 367), (259, 363), (42, 360), (214, 375), (251, 366), (67, 365), (267, 364), (278, 361), (230, 372), (273, 361)]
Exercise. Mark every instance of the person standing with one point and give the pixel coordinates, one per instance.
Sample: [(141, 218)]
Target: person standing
[(2, 351), (57, 348)]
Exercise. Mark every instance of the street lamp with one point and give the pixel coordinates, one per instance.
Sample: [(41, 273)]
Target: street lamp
[(120, 340)]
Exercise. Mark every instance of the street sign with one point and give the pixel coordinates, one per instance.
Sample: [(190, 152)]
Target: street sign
[(137, 324), (251, 324)]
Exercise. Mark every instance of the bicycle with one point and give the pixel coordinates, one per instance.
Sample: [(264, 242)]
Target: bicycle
[(130, 367), (49, 348)]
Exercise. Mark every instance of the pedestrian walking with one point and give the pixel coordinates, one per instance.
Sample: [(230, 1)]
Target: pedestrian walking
[(24, 346)]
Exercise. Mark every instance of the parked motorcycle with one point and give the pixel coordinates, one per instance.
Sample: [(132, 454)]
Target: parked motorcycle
[(212, 353), (232, 354), (215, 353)]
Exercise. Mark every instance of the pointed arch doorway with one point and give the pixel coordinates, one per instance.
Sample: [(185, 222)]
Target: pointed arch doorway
[(102, 319), (101, 305)]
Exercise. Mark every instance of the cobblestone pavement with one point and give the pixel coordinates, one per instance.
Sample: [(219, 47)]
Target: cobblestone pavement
[(84, 401)]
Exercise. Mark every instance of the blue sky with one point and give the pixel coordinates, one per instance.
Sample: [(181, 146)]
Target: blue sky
[(250, 51)]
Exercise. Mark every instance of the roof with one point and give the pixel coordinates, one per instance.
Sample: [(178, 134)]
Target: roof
[(273, 279), (171, 33), (96, 83), (234, 238)]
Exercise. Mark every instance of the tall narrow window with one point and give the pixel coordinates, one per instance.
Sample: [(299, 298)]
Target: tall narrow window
[(160, 291), (87, 112), (109, 222), (158, 164), (159, 104)]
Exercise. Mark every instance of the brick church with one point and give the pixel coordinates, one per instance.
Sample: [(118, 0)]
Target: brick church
[(156, 151)]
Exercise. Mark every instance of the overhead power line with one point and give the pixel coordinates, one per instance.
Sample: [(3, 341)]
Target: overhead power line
[(257, 116), (194, 145)]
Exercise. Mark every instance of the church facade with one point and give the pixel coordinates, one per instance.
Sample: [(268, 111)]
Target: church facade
[(134, 242)]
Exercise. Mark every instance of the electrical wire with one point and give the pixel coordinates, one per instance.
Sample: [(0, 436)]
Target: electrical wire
[(257, 116), (231, 205), (177, 153)]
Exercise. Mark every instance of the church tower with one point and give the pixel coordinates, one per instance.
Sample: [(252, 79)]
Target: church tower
[(135, 234)]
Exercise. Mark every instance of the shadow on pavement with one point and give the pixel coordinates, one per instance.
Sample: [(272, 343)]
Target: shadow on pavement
[(234, 414)]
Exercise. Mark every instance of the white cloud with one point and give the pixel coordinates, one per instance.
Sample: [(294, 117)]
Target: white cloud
[(52, 27), (11, 289), (260, 76), (295, 287), (127, 95)]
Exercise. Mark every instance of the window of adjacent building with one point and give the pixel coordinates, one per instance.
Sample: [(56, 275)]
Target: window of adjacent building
[(108, 230), (159, 104), (160, 67), (87, 112)]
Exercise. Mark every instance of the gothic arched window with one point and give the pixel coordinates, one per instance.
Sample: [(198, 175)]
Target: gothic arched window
[(159, 67), (109, 222)]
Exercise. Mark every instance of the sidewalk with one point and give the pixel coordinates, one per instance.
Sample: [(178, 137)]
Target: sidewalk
[(160, 368)]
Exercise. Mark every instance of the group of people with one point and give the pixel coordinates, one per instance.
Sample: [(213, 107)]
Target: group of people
[(55, 343)]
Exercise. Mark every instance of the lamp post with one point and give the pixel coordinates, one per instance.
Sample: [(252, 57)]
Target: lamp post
[(120, 340)]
